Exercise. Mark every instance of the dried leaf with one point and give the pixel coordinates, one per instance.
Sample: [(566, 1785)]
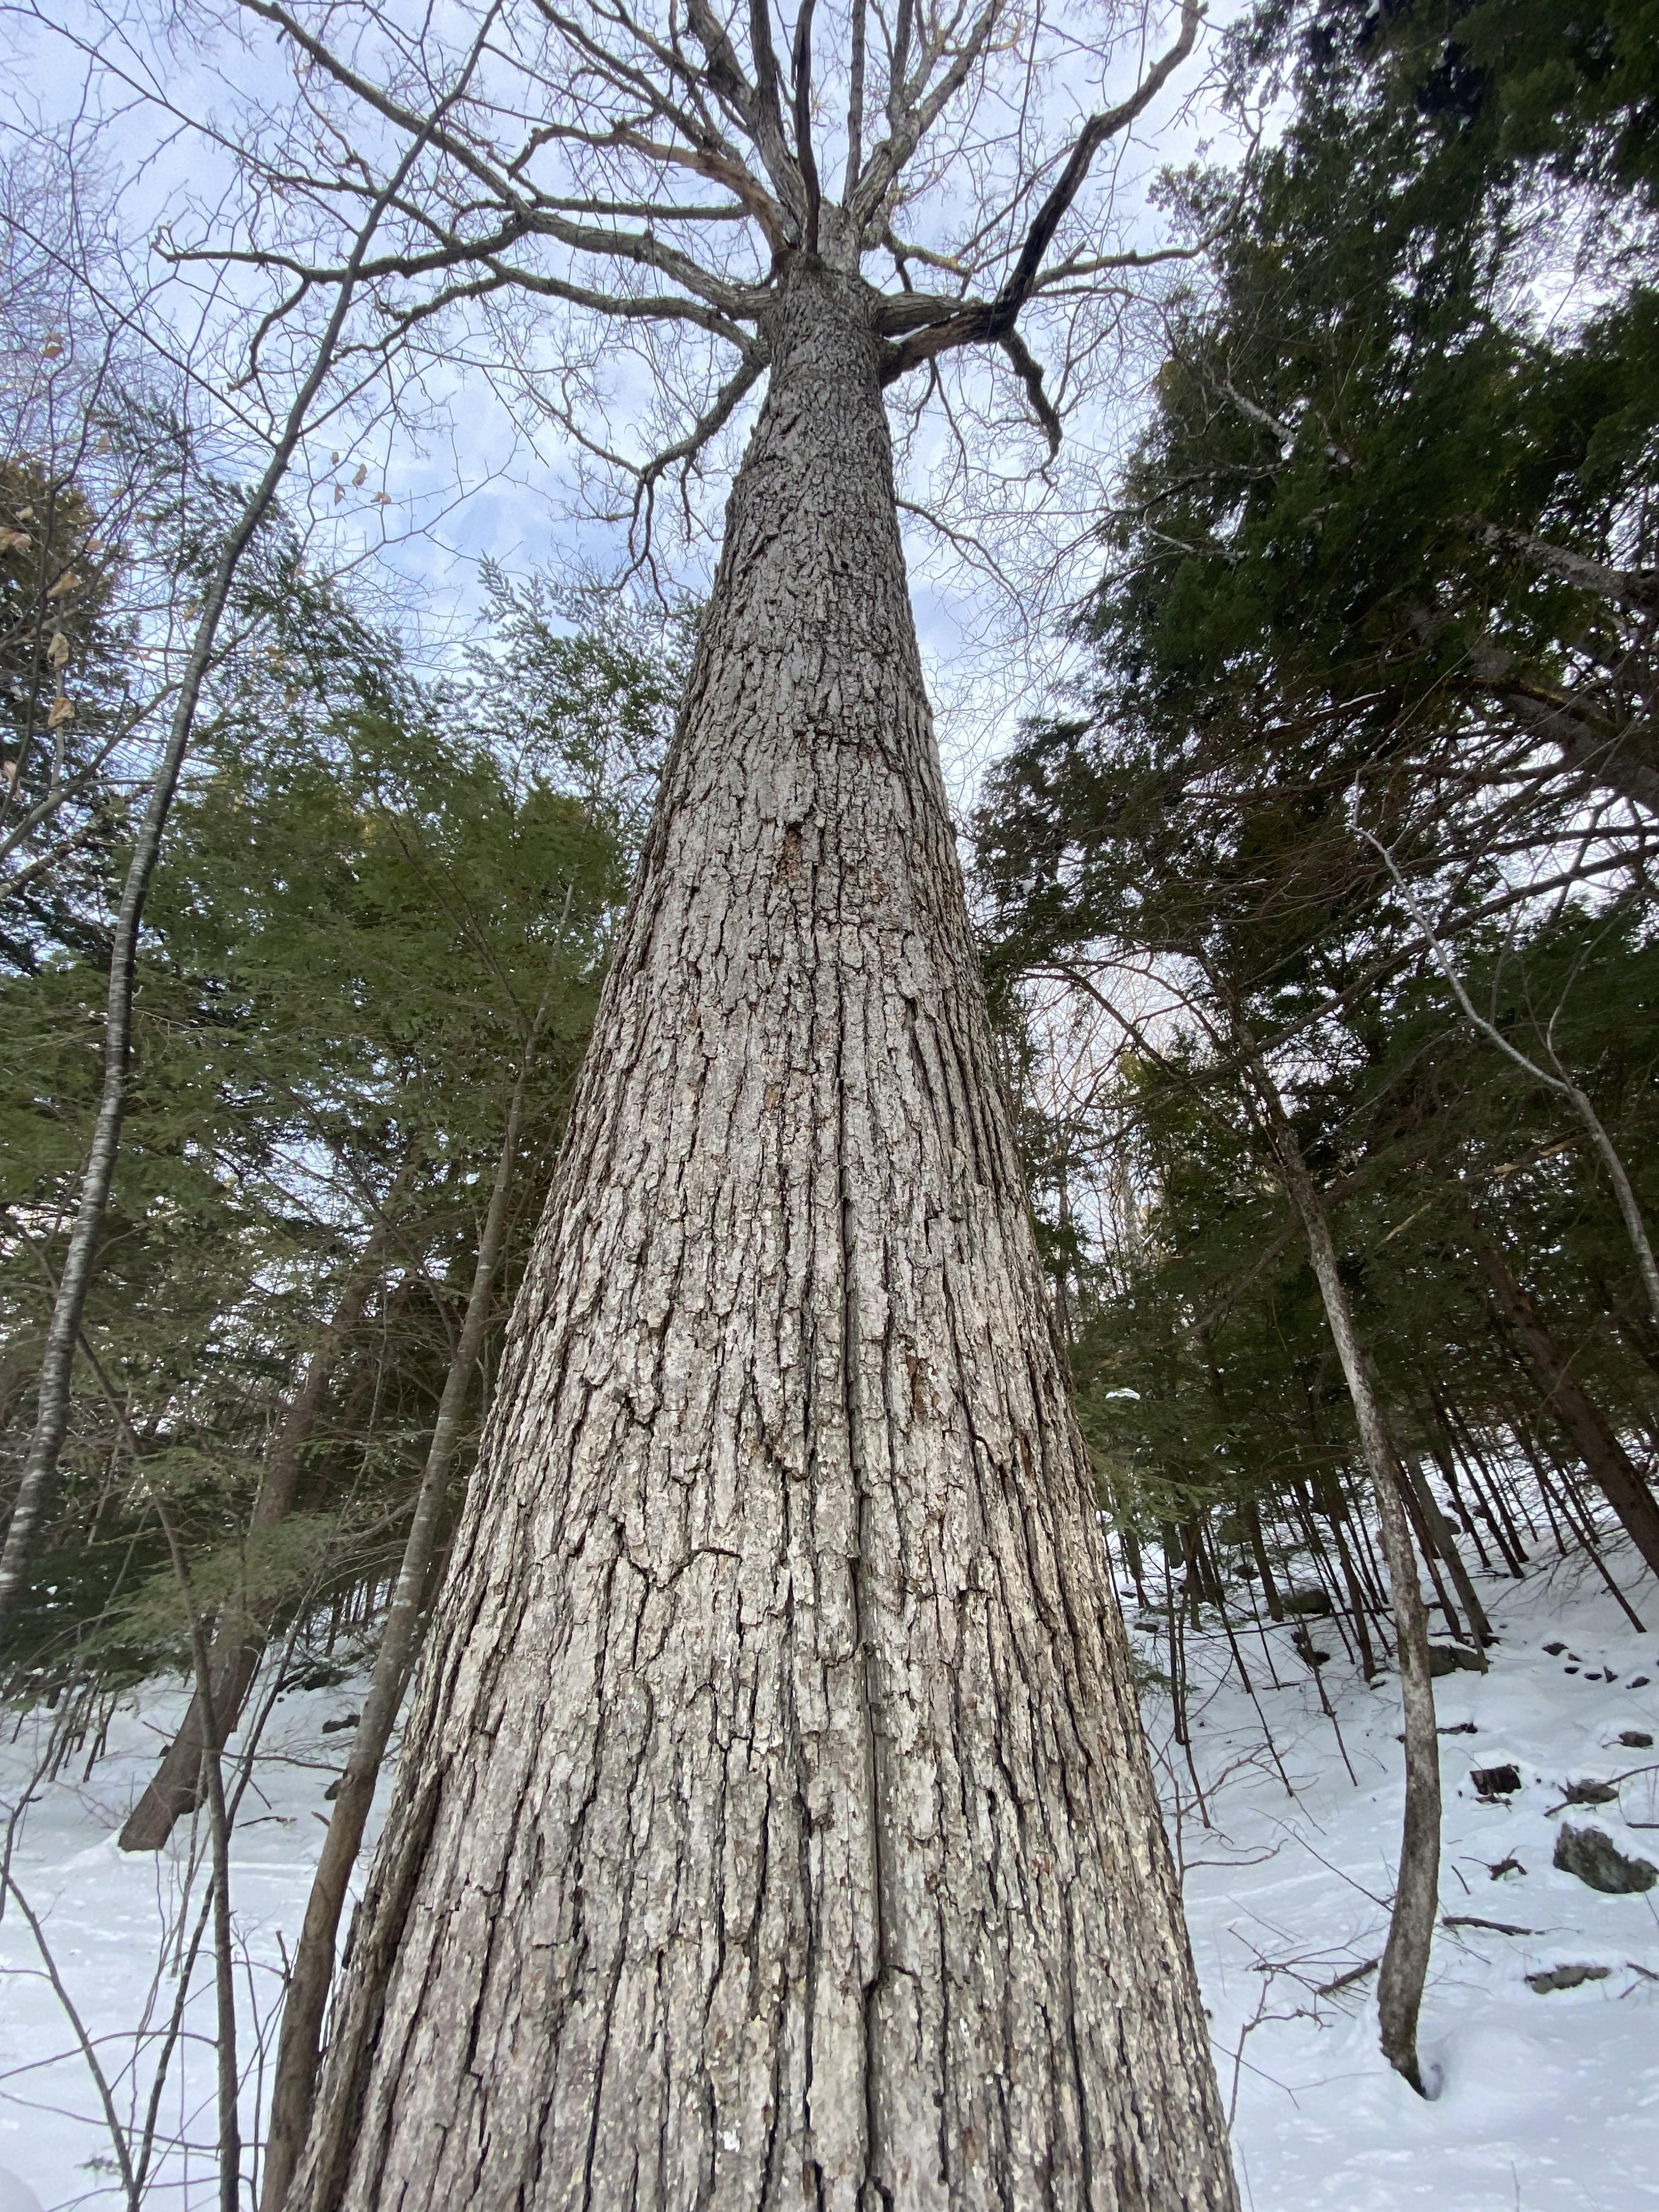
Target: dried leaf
[(62, 710), (362, 477), (52, 348), (383, 499), (68, 582), (58, 652), (15, 541)]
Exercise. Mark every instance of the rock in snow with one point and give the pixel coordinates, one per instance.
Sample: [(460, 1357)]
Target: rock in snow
[(1596, 1859)]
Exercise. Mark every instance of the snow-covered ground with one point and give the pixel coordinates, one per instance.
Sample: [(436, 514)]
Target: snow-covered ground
[(1546, 2101), (114, 1926)]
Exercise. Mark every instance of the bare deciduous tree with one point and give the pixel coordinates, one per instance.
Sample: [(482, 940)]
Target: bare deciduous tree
[(38, 1479), (773, 1819)]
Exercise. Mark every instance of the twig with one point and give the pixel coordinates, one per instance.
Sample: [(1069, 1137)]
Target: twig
[(117, 2133), (1343, 1981)]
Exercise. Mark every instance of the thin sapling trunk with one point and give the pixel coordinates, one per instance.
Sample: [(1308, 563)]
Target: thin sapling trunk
[(1411, 1925)]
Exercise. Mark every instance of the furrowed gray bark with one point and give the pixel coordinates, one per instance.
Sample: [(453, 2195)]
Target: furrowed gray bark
[(773, 1824)]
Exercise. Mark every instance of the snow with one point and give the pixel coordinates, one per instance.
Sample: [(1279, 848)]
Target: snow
[(1544, 2102), (113, 1923)]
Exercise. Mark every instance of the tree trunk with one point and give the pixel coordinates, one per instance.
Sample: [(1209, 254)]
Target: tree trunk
[(1441, 1537), (239, 1643), (1335, 1512), (1606, 1461), (1411, 1925), (1263, 1565), (773, 1824)]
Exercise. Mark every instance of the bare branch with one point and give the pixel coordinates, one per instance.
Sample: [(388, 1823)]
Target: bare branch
[(855, 104), (803, 90), (1031, 375), (976, 323)]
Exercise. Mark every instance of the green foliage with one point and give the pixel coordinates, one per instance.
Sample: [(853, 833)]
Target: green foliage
[(1382, 563), (374, 918)]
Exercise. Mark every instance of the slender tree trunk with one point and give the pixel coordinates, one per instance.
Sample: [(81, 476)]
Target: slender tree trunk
[(294, 2087), (1426, 1552), (239, 1644), (1440, 1535), (773, 1824), (1486, 1488), (1259, 1553), (1335, 1513), (1131, 1544), (1411, 1925), (1445, 1459), (1578, 1518), (1582, 1421), (224, 1964), (1325, 1573), (39, 1481)]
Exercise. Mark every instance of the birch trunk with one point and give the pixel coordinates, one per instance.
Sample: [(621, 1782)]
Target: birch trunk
[(773, 1824)]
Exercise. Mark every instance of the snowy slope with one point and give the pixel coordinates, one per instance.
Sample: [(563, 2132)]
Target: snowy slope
[(1546, 2101), (113, 1923)]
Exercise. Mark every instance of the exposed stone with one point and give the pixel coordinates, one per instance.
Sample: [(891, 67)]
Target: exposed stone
[(1495, 1781), (1566, 1978), (1592, 1856), (1307, 1601), (1452, 1659)]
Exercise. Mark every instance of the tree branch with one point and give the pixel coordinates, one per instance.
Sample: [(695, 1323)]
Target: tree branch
[(1031, 375), (804, 155), (978, 322)]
